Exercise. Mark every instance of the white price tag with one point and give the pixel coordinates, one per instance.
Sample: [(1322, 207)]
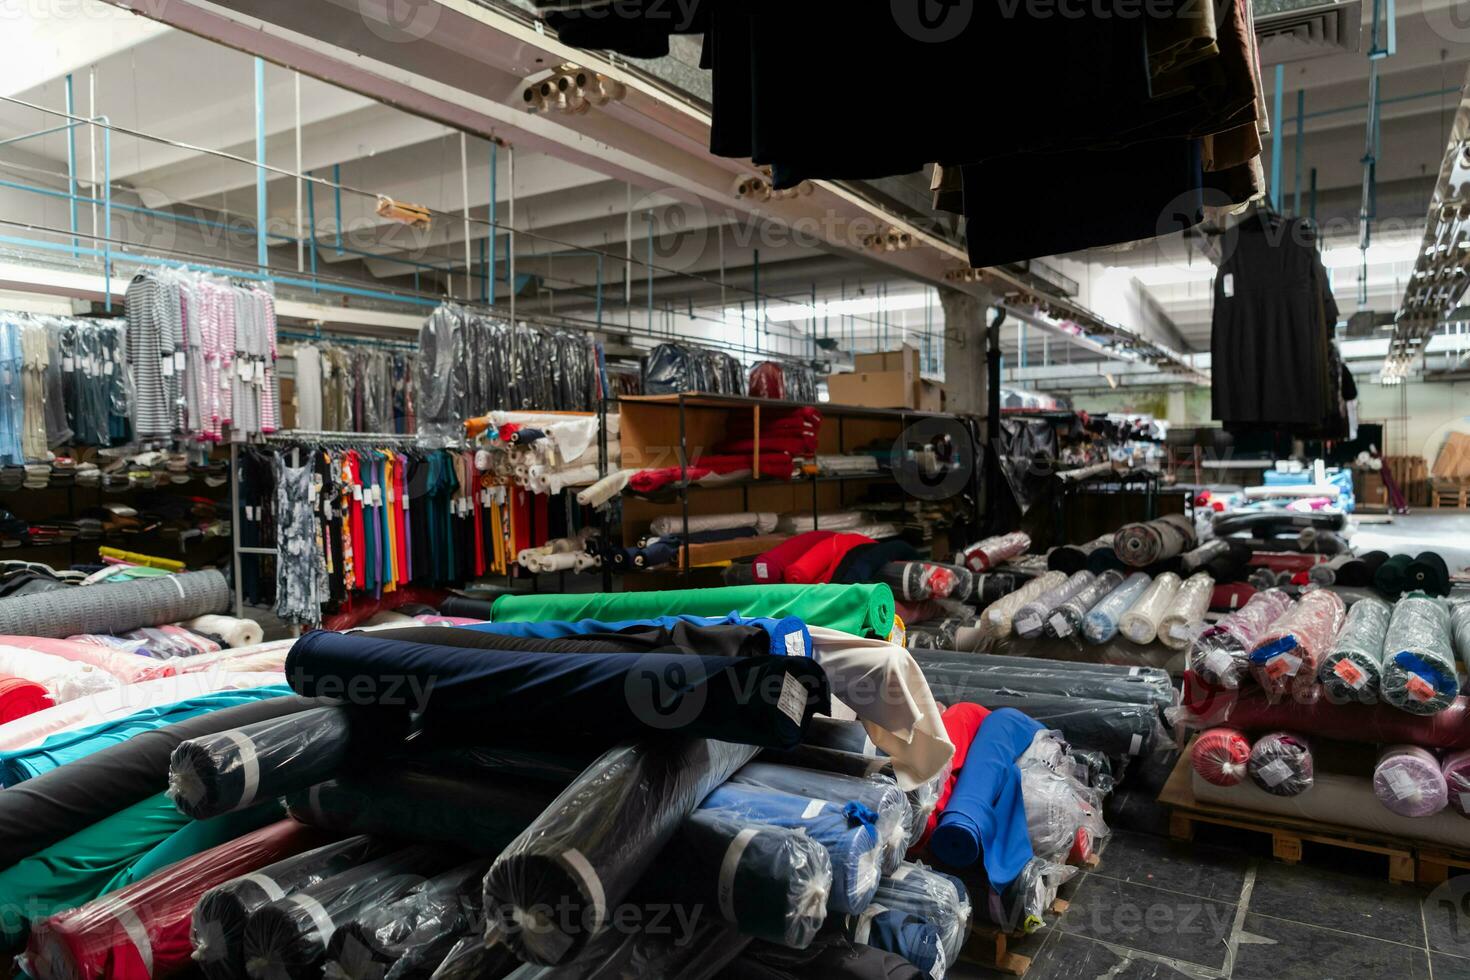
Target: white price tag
[(260, 372), (166, 366), (108, 368), (1400, 784), (1218, 662), (1227, 284), (792, 702), (1060, 624), (1275, 773), (68, 363), (179, 360), (357, 492)]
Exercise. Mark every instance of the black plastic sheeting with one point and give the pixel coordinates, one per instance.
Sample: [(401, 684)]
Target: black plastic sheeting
[(672, 368)]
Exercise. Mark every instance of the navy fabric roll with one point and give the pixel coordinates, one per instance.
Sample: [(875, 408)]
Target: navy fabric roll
[(753, 639), (848, 832), (847, 736), (466, 608), (860, 565), (777, 629), (986, 816), (1116, 728), (939, 899), (915, 939), (584, 853), (770, 882), (752, 700)]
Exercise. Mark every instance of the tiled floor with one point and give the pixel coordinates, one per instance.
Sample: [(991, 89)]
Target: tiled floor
[(1157, 909)]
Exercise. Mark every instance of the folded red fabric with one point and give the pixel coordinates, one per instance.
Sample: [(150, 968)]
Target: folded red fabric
[(791, 445), (20, 697), (1230, 596), (962, 723), (822, 559), (775, 466), (771, 566)]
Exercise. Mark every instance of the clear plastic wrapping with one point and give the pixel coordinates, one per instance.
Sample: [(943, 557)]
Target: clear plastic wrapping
[(1288, 654), (1409, 781), (1115, 728), (1101, 622), (952, 682), (999, 616), (915, 581), (1353, 669), (938, 898), (1221, 654), (699, 953), (1140, 623), (1141, 545), (1419, 667), (984, 555), (1022, 907), (1185, 618), (1058, 804), (1066, 619), (1281, 764), (1456, 769), (1197, 559), (1030, 619), (912, 938), (1460, 625), (1220, 756)]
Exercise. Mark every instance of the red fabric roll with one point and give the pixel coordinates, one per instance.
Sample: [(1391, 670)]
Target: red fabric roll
[(822, 559), (791, 445), (142, 931), (1081, 847), (1220, 755), (777, 466), (770, 566), (1285, 561), (20, 697), (962, 723), (1231, 596)]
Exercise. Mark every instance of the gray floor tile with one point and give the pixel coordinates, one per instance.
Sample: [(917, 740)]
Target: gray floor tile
[(1149, 919), (1189, 868), (1274, 949), (1447, 916), (1350, 903), (1075, 958), (1448, 967)]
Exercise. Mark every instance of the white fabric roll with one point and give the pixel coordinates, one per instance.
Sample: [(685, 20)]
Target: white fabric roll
[(761, 523), (232, 631), (559, 480), (842, 520), (65, 680), (1184, 619), (605, 489), (998, 617), (1141, 623)]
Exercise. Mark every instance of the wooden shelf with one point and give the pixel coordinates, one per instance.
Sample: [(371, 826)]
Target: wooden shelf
[(711, 552), (702, 400)]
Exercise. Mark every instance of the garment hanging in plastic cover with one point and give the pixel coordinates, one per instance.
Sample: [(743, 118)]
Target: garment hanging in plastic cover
[(672, 368), (768, 882), (585, 852), (1419, 666), (783, 380), (1027, 449)]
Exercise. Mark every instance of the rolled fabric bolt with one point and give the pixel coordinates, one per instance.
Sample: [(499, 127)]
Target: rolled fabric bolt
[(1221, 654), (1066, 619), (1220, 756), (1101, 622), (1281, 764), (1290, 652), (1353, 669), (1460, 627), (1031, 618), (1408, 781), (1141, 545), (1141, 622), (1456, 769), (1391, 576), (1073, 558), (1193, 561), (1428, 573), (1419, 672), (1184, 618), (999, 616), (984, 555)]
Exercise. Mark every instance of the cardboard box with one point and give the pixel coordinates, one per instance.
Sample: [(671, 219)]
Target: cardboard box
[(873, 389), (905, 359), (928, 396)]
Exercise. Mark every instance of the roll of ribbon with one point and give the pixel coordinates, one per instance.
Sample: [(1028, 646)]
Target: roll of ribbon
[(1221, 654), (1353, 669), (1141, 622), (1186, 616), (1419, 668), (1101, 622), (1221, 755), (1281, 764), (1409, 781)]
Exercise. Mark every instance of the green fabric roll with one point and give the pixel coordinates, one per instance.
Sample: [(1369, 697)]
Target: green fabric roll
[(79, 868), (862, 610), (197, 836)]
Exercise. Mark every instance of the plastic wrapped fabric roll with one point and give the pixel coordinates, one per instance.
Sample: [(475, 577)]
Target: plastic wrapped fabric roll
[(1058, 807), (769, 882), (1392, 576), (1460, 626), (64, 680), (1221, 654), (862, 610), (700, 954), (232, 768), (1353, 669), (1196, 560), (1156, 678), (835, 961), (1186, 616), (915, 581), (1066, 619), (217, 925), (993, 586), (848, 832), (20, 697), (1141, 545), (984, 555), (1072, 559), (228, 630), (939, 899), (583, 854), (1140, 623), (1289, 653), (878, 793), (1030, 619), (1281, 764), (950, 681), (999, 617), (288, 937), (902, 933), (126, 667), (1456, 770), (1023, 905), (1419, 667), (1409, 781), (608, 693), (1101, 622), (1428, 573), (116, 607), (985, 817), (194, 837), (411, 936), (1220, 756), (761, 523), (142, 930), (1116, 728)]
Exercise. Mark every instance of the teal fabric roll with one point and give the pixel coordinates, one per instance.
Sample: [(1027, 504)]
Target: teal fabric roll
[(195, 837)]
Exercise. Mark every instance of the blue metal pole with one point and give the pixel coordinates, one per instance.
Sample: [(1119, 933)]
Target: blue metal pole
[(71, 164), (1276, 138), (494, 208), (337, 190), (311, 222), (1296, 184), (484, 280), (262, 255)]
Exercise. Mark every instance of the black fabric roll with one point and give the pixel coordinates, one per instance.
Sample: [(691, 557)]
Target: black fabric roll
[(682, 637), (39, 812), (288, 937), (408, 938), (232, 769), (1428, 573), (584, 853), (1349, 570), (471, 959), (1231, 566), (1105, 559), (217, 929), (1072, 558), (1391, 577), (763, 701), (1115, 728), (466, 608), (849, 736), (860, 565), (1266, 523), (829, 760), (834, 961), (1040, 677), (990, 586)]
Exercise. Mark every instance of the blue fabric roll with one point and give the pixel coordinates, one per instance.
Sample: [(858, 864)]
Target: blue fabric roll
[(763, 701), (986, 816), (915, 939), (789, 635), (848, 832)]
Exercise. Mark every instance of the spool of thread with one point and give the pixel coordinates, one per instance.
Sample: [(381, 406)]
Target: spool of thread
[(1353, 669), (1220, 756), (1410, 782), (1281, 764), (1456, 769)]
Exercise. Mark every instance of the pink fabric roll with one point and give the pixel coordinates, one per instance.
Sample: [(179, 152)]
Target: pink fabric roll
[(270, 655), (126, 667), (1287, 655), (1220, 756), (1408, 781), (1456, 769)]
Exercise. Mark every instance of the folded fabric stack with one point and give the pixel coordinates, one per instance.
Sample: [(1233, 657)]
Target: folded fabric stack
[(786, 440)]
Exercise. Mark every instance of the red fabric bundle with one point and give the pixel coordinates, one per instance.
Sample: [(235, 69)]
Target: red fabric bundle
[(357, 612), (961, 723), (767, 380), (777, 466), (821, 560), (792, 432), (790, 445), (20, 697), (1231, 596), (1219, 756), (771, 566), (142, 931), (1285, 561)]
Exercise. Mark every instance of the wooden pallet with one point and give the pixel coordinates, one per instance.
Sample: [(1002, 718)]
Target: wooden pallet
[(989, 947), (1448, 496), (1434, 866)]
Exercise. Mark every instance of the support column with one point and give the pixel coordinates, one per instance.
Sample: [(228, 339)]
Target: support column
[(964, 352)]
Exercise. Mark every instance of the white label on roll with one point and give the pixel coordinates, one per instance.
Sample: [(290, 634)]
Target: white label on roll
[(795, 647), (762, 570), (249, 766), (1134, 671), (1275, 773), (865, 923), (812, 809), (726, 891), (1179, 631), (1135, 743), (319, 915), (1028, 625), (1400, 784), (1060, 624), (594, 890), (792, 702), (1234, 600), (1218, 662), (902, 872), (267, 885), (137, 933)]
